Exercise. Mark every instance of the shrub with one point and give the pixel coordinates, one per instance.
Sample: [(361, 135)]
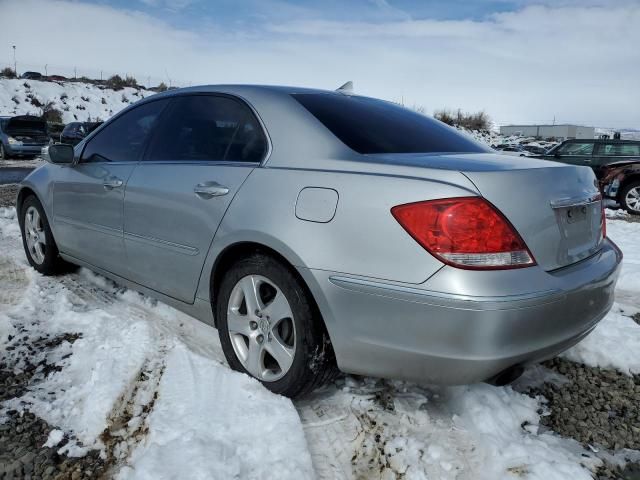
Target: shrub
[(162, 87), (7, 72), (115, 83), (104, 101), (471, 121), (124, 98), (15, 99), (51, 114), (85, 99), (27, 86), (34, 101), (130, 82)]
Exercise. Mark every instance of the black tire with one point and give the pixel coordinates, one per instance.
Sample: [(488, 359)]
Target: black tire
[(52, 263), (314, 361), (3, 153), (623, 197)]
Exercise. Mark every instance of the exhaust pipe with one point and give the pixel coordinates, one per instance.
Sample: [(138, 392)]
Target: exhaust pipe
[(506, 376)]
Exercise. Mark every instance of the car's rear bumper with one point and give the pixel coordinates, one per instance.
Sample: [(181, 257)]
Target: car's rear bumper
[(410, 331)]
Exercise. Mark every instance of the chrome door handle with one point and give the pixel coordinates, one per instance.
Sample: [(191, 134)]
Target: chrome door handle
[(210, 190), (112, 182)]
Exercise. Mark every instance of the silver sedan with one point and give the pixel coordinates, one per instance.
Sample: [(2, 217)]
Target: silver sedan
[(321, 231)]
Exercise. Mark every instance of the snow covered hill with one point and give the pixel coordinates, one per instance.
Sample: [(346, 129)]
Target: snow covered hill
[(76, 101)]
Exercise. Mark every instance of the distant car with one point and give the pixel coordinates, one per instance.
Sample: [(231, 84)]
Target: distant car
[(314, 227), (57, 78), (31, 76), (535, 149), (516, 150), (74, 132), (610, 160), (22, 136), (595, 153)]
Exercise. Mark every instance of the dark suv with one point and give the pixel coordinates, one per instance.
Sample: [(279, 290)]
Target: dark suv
[(616, 163)]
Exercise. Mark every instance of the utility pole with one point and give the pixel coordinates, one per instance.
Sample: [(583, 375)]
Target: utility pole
[(15, 68), (46, 74)]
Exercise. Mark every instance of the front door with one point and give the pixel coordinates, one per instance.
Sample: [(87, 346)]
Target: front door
[(204, 149), (575, 153), (88, 195)]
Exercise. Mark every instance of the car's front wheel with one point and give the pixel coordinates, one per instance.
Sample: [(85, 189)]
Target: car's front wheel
[(37, 239), (630, 198), (269, 327)]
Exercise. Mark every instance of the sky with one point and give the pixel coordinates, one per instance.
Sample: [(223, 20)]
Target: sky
[(521, 61)]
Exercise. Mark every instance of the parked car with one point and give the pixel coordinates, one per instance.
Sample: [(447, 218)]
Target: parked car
[(22, 136), (535, 149), (321, 230), (595, 153), (32, 76), (611, 160), (75, 131), (57, 78), (516, 150), (621, 182)]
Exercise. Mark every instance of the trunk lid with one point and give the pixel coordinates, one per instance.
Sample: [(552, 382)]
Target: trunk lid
[(554, 207)]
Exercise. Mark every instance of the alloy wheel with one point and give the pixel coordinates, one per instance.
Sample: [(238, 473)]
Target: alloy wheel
[(632, 199), (261, 328), (35, 235)]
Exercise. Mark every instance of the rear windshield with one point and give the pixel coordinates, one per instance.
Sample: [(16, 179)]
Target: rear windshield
[(368, 125)]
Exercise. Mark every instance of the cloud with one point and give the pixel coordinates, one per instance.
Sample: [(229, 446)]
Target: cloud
[(574, 63)]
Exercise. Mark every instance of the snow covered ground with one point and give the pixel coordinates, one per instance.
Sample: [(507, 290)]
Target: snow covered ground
[(149, 387), (76, 100)]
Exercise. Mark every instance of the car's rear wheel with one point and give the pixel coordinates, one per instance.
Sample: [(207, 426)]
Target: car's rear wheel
[(270, 329), (37, 239), (630, 198)]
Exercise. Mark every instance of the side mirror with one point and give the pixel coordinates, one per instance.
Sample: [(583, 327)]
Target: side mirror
[(61, 153)]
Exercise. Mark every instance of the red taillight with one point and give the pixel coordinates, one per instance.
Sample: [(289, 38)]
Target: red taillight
[(466, 232)]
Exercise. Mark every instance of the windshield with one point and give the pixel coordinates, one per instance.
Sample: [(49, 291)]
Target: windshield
[(368, 125)]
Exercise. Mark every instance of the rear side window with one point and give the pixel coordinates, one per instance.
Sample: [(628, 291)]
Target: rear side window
[(368, 125), (576, 148), (208, 128), (621, 149), (124, 139)]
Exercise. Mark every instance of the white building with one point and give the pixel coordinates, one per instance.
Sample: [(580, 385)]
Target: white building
[(559, 132)]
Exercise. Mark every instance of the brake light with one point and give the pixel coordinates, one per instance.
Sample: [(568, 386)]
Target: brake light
[(465, 232)]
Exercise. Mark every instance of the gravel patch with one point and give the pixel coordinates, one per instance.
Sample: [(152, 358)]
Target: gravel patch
[(23, 435), (598, 408), (8, 195)]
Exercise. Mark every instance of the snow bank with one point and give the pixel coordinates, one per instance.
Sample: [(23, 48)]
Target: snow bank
[(76, 100)]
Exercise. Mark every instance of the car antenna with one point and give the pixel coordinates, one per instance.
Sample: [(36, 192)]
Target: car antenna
[(347, 88)]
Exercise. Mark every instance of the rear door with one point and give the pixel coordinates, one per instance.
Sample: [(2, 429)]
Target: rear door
[(203, 150), (88, 196), (612, 151)]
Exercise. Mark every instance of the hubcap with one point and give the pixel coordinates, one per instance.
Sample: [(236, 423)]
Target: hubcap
[(34, 234), (261, 328), (633, 199)]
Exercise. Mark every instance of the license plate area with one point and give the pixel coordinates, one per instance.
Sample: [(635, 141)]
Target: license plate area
[(579, 225)]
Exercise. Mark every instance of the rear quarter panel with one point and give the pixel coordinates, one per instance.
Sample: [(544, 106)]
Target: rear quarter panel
[(362, 239)]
